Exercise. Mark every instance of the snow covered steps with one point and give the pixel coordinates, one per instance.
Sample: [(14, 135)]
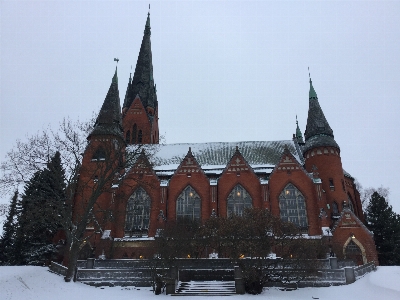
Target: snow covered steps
[(206, 288)]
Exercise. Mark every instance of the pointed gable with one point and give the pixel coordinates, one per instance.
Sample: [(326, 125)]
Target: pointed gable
[(189, 165), (136, 107), (142, 166), (288, 163), (348, 220), (238, 164)]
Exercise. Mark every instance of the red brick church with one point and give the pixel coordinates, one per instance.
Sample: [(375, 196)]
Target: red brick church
[(300, 180)]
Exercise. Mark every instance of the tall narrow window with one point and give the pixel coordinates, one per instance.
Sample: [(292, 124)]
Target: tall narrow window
[(238, 200), (137, 213), (188, 205), (140, 136), (335, 208), (331, 185), (128, 137), (293, 206), (134, 134), (350, 201)]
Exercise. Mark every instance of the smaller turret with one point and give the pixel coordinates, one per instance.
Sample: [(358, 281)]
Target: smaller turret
[(109, 120), (299, 135)]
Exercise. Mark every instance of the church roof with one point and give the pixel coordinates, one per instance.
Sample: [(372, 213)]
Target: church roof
[(213, 157), (109, 120)]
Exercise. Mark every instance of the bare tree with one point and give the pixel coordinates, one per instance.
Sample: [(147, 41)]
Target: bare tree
[(366, 193), (92, 169)]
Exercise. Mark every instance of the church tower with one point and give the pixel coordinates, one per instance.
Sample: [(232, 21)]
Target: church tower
[(140, 109), (106, 141), (322, 156)]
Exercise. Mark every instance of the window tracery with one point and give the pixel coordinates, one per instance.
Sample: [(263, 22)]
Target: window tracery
[(292, 206), (188, 205), (137, 213), (238, 200)]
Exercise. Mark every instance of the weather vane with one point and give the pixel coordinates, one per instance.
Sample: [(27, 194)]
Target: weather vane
[(116, 59)]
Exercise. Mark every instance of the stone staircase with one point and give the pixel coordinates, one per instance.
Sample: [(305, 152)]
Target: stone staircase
[(206, 288)]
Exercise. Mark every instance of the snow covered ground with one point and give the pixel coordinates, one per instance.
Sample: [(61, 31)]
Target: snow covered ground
[(22, 283)]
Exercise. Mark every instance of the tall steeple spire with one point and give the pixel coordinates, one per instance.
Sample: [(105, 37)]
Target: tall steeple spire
[(318, 132), (143, 81), (109, 121)]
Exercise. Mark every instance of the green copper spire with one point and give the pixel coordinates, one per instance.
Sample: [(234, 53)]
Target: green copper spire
[(115, 77), (318, 132), (299, 135), (312, 93)]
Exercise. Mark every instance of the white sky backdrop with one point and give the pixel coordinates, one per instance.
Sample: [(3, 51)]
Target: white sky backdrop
[(225, 70)]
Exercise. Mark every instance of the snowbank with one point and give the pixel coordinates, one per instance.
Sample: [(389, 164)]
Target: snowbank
[(24, 283)]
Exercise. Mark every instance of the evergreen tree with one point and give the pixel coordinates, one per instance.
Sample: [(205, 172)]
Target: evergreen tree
[(40, 215), (7, 241), (385, 225)]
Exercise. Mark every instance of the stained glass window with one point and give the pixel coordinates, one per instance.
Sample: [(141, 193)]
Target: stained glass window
[(137, 213), (188, 205), (293, 206), (238, 200)]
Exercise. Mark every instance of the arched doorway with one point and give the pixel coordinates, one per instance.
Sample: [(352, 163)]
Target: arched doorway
[(354, 250)]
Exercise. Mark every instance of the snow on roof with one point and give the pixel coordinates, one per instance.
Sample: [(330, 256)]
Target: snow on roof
[(213, 157)]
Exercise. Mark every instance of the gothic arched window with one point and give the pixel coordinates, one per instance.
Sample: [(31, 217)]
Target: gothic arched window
[(137, 213), (140, 137), (293, 206), (128, 137), (238, 200), (188, 205), (134, 134)]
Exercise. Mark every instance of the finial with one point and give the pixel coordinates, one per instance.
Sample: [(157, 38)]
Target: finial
[(116, 59), (309, 76), (297, 122)]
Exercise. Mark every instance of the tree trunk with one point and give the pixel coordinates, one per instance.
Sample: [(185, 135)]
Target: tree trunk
[(72, 259)]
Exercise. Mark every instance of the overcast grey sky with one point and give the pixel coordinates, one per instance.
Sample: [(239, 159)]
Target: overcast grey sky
[(225, 70)]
